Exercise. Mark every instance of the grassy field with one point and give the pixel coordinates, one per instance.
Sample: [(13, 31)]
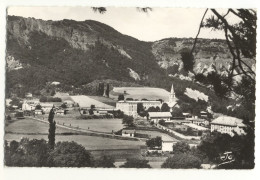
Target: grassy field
[(165, 137), (105, 100), (101, 125), (32, 126), (89, 142), (85, 101), (140, 93)]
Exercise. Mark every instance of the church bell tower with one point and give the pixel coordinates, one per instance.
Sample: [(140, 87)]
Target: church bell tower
[(172, 97)]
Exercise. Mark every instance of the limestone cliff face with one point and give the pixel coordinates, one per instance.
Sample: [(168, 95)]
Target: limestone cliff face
[(79, 35)]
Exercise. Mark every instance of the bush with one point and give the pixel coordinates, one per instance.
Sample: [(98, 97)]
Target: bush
[(182, 161), (70, 154), (136, 163), (105, 162), (50, 99), (33, 153)]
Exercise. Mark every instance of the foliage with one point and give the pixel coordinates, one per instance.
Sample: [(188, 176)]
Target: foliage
[(128, 120), (129, 99), (65, 106), (52, 128), (176, 112), (140, 107), (53, 92), (8, 117), (153, 109), (154, 142), (181, 147), (33, 153), (242, 147), (121, 97), (187, 59), (38, 106), (162, 122), (107, 90), (70, 154), (50, 99), (16, 102), (165, 108), (105, 162), (182, 161), (135, 163)]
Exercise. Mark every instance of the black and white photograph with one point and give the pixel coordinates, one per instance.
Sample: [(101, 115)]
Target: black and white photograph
[(130, 87)]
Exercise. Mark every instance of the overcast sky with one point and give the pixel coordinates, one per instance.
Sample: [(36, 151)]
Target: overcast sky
[(158, 24)]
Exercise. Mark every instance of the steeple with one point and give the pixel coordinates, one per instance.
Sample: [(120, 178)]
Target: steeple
[(172, 97)]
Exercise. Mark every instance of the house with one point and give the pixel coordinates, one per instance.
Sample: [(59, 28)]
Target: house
[(187, 115), (197, 127), (60, 112), (130, 107), (197, 121), (167, 145), (203, 114), (84, 111), (69, 103), (38, 112), (55, 83), (28, 106), (46, 107), (157, 116), (28, 95), (128, 132), (227, 124)]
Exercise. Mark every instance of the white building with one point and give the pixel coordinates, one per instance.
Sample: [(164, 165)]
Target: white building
[(227, 124), (60, 112), (46, 107), (172, 99), (167, 145), (130, 107), (157, 116), (128, 132)]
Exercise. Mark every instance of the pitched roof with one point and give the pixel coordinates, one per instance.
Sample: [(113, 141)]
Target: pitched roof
[(128, 131), (228, 121), (159, 114)]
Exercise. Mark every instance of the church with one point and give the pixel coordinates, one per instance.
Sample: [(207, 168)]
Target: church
[(172, 99), (130, 107)]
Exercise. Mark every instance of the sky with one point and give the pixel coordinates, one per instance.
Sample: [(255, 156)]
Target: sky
[(155, 25)]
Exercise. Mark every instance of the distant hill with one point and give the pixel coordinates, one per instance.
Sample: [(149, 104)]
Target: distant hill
[(80, 54)]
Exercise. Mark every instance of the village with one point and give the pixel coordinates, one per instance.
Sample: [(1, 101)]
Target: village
[(135, 127)]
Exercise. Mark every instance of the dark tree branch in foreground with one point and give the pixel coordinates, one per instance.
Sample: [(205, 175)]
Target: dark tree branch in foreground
[(201, 25)]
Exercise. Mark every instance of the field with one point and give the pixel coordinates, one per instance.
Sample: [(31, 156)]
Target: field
[(85, 101), (165, 137), (104, 100), (89, 142), (31, 126), (102, 125), (140, 93)]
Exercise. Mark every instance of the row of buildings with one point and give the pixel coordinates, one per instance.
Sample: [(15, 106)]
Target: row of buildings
[(223, 124), (130, 107)]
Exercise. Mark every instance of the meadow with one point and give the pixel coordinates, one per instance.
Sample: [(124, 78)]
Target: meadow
[(101, 125), (32, 126), (140, 93), (85, 101), (89, 142)]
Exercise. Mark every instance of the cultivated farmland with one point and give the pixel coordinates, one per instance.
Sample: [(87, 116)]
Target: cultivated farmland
[(140, 93), (85, 101)]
